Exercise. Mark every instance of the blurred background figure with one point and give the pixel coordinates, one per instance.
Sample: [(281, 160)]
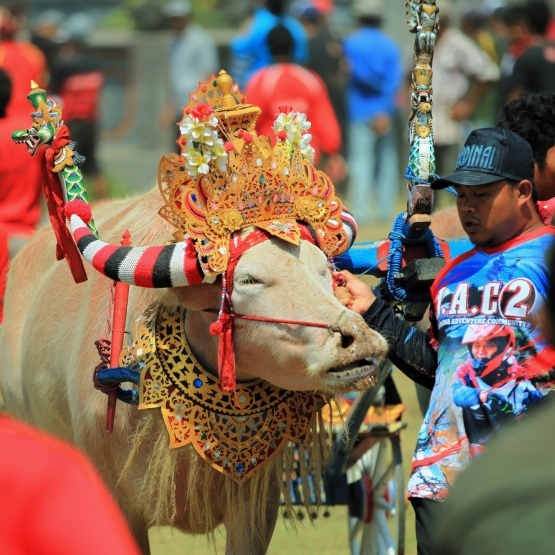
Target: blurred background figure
[(284, 83), (529, 63), (532, 116), (463, 74), (53, 500), (48, 36), (327, 59), (193, 57), (21, 60), (249, 50), (20, 176), (375, 76), (77, 80)]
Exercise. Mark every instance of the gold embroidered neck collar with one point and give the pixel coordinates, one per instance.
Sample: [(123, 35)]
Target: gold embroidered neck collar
[(236, 433)]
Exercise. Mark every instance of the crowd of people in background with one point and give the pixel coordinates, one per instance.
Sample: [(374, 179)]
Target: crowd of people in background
[(483, 59), (354, 83)]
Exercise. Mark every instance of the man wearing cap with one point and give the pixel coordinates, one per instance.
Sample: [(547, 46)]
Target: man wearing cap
[(496, 289)]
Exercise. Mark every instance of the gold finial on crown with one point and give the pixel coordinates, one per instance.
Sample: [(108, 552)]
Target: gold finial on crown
[(225, 82), (34, 85)]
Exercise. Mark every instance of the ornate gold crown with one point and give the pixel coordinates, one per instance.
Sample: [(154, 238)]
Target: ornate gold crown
[(228, 178)]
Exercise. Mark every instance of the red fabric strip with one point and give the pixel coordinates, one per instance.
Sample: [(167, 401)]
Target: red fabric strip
[(190, 262), (145, 267), (65, 247), (305, 234)]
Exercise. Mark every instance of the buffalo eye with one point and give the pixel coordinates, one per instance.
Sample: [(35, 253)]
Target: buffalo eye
[(248, 280)]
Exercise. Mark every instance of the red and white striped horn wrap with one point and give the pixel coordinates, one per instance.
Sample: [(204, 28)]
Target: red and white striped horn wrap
[(172, 265)]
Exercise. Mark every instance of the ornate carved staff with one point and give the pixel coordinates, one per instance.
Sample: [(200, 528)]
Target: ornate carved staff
[(66, 194), (423, 19)]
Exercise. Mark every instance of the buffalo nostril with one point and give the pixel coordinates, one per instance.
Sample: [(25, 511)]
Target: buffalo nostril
[(346, 340)]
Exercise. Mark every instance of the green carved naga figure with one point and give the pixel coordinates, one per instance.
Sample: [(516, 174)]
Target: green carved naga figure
[(47, 122)]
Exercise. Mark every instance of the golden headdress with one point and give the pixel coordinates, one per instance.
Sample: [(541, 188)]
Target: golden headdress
[(228, 177)]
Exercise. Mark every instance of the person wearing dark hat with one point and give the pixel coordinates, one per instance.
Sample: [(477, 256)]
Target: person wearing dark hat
[(499, 285)]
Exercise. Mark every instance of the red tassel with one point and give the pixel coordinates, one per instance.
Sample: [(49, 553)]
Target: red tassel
[(226, 358), (216, 328)]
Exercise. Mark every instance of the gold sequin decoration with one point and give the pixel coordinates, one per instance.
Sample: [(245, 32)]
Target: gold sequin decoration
[(236, 433)]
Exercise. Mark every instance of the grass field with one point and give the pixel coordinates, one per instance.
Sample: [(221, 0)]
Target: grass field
[(328, 536)]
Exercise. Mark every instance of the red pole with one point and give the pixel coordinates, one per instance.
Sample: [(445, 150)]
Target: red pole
[(118, 332)]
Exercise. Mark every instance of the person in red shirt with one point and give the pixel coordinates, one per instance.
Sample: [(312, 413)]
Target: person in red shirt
[(532, 116), (287, 84), (21, 60), (52, 501), (20, 181)]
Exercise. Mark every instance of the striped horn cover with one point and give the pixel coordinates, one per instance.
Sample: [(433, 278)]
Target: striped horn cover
[(174, 265)]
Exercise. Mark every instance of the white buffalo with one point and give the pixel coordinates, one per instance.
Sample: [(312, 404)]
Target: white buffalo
[(48, 356)]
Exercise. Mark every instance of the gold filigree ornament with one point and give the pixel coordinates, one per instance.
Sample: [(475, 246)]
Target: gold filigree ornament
[(235, 432), (228, 178)]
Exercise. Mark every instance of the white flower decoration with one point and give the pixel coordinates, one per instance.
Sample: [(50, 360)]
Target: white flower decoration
[(196, 162), (203, 145), (219, 154), (296, 127)]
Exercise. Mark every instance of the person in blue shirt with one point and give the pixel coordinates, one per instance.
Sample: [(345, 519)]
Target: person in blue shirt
[(250, 51), (375, 76)]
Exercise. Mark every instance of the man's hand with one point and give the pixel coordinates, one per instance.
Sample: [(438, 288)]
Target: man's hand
[(356, 295)]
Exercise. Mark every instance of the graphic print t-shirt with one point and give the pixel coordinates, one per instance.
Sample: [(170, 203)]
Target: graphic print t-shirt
[(493, 362)]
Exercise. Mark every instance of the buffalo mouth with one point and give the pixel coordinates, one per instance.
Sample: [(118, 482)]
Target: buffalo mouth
[(353, 371)]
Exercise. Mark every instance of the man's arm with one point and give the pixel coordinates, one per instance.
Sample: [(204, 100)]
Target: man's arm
[(482, 72), (410, 349)]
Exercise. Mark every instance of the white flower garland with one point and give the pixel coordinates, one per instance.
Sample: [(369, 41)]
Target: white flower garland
[(203, 145), (295, 125)]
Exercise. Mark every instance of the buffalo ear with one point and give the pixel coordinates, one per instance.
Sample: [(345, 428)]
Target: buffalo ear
[(201, 296)]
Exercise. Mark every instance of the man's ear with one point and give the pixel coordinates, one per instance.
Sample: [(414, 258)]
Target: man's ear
[(525, 189)]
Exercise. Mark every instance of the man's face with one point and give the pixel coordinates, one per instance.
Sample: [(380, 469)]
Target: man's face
[(545, 178), (483, 350), (490, 214)]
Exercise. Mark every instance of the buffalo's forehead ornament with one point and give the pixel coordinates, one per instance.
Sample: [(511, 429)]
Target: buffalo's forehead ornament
[(227, 177)]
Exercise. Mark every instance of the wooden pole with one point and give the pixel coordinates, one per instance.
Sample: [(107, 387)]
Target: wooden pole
[(118, 333)]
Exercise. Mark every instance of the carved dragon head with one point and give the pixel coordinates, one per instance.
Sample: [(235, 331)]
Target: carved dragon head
[(47, 118)]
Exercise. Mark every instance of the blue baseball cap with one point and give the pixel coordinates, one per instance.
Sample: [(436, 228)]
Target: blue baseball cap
[(490, 155)]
